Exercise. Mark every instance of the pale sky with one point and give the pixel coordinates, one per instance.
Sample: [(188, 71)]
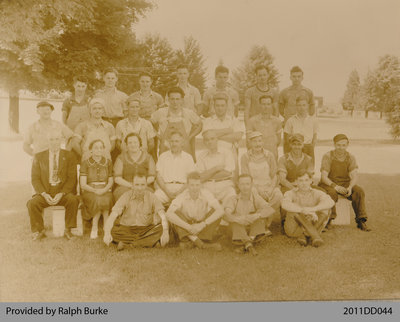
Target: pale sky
[(327, 39)]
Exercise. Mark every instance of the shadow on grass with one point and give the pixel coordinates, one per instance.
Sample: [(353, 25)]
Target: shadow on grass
[(351, 265)]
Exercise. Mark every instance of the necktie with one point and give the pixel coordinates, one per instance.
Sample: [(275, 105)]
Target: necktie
[(55, 169)]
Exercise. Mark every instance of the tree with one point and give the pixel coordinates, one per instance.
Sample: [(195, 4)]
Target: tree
[(244, 75), (192, 56), (46, 43), (158, 58), (382, 90), (352, 94)]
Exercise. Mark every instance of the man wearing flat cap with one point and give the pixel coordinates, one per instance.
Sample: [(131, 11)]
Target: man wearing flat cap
[(261, 165), (339, 177), (294, 162), (36, 138)]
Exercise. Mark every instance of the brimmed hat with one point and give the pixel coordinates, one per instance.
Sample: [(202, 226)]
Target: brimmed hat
[(44, 103), (297, 137), (254, 134)]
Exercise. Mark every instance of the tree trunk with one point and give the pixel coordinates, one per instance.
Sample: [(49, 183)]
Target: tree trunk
[(13, 112)]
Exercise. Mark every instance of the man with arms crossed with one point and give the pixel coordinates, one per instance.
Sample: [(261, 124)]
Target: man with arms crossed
[(196, 215)]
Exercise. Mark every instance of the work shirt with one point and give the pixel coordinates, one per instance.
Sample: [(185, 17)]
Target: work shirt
[(38, 132), (194, 210), (339, 169), (114, 102), (76, 112), (222, 157), (137, 211), (241, 206), (148, 104), (250, 158), (175, 168), (254, 93), (292, 168), (215, 123), (287, 100), (142, 127), (233, 99), (192, 97), (164, 115), (307, 126)]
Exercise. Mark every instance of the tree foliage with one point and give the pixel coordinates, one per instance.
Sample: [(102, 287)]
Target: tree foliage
[(244, 75), (352, 94), (45, 43), (192, 56), (381, 91)]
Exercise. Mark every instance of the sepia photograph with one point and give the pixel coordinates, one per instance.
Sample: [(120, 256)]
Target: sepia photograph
[(199, 151)]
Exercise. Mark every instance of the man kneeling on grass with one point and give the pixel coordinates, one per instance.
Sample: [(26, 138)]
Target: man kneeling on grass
[(139, 223), (307, 211), (248, 215), (196, 215)]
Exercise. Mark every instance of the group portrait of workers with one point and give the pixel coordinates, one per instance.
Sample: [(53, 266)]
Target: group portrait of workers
[(151, 171)]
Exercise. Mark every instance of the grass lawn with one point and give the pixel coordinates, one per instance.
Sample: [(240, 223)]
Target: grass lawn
[(351, 265)]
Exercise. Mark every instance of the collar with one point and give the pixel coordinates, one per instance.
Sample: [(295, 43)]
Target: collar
[(83, 101), (102, 122), (150, 94), (134, 196), (251, 154), (240, 196), (56, 153), (290, 157), (102, 162)]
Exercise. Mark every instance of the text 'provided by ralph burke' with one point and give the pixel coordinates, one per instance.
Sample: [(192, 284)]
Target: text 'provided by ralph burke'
[(56, 311)]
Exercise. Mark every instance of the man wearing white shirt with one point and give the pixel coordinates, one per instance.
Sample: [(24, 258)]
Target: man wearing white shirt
[(303, 124), (192, 98), (216, 166), (172, 167)]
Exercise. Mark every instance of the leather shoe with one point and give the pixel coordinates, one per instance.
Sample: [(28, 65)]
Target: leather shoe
[(120, 246), (302, 240), (68, 235), (38, 235), (363, 226), (252, 250)]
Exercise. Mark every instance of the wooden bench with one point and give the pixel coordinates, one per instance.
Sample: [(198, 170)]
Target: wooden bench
[(344, 212)]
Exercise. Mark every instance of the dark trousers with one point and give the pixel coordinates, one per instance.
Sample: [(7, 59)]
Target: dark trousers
[(357, 201), (38, 203)]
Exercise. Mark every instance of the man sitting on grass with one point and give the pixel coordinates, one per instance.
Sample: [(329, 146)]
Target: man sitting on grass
[(196, 215), (307, 211), (339, 177), (248, 214), (139, 222)]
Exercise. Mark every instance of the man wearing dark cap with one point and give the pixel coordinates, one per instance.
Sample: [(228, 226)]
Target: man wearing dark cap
[(339, 177), (287, 98), (294, 162), (36, 138)]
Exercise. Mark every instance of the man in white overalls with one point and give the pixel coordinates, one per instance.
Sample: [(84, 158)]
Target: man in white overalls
[(261, 165), (94, 129)]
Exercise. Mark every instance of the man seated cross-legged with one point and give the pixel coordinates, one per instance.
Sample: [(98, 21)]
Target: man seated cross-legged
[(196, 215), (135, 218), (248, 215), (307, 211)]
